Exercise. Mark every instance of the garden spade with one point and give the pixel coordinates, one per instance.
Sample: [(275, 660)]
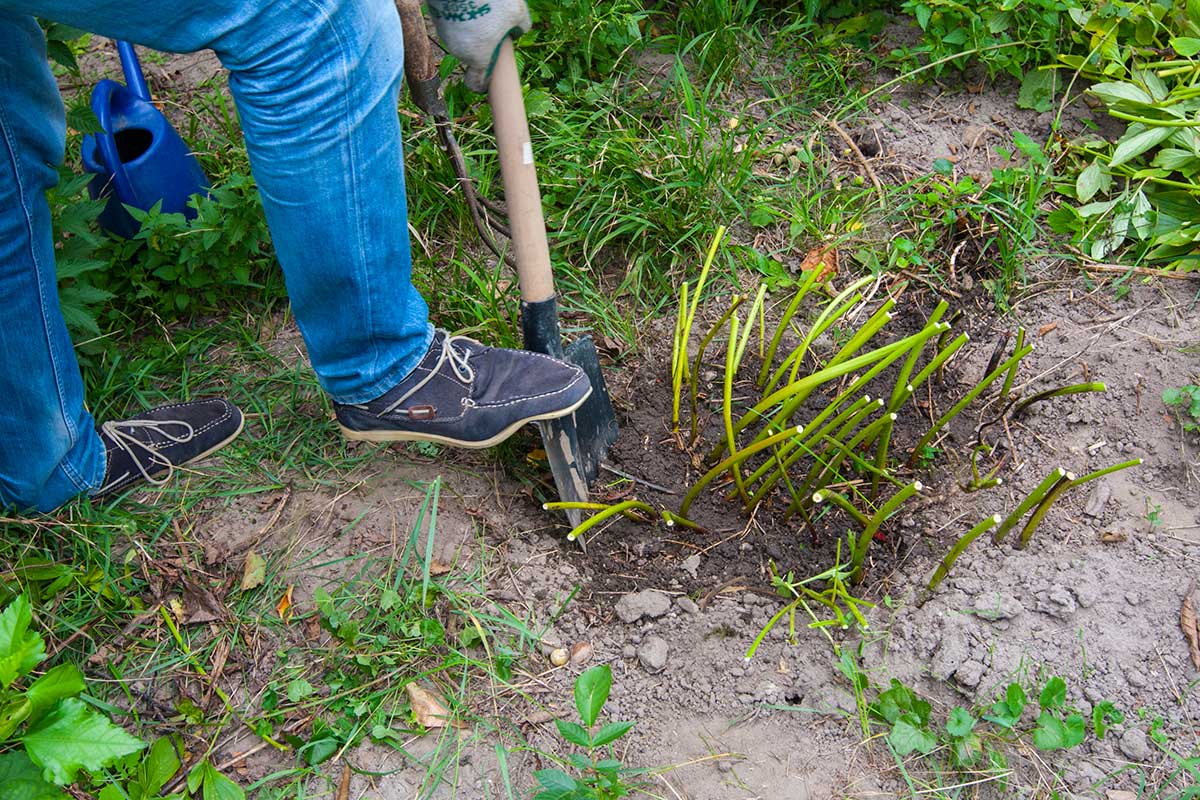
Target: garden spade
[(575, 445)]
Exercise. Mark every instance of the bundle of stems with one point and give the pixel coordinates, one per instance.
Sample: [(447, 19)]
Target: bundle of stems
[(683, 326)]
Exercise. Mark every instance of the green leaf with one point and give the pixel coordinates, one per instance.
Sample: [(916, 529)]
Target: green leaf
[(1185, 46), (159, 766), (1105, 713), (906, 738), (59, 683), (960, 723), (1037, 90), (555, 780), (20, 649), (12, 714), (1054, 694), (1053, 733), (591, 692), (610, 733), (573, 733), (74, 737), (20, 779), (1132, 144), (1090, 181), (213, 785), (299, 689), (1007, 712), (1121, 93), (60, 53)]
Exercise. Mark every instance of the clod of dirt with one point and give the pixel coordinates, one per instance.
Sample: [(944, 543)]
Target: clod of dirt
[(995, 607), (690, 564), (1098, 499), (653, 653), (1135, 745), (646, 603), (687, 605)]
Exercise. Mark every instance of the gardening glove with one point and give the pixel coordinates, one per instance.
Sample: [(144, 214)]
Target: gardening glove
[(473, 30)]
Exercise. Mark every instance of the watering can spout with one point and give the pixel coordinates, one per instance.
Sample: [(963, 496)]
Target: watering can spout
[(138, 159)]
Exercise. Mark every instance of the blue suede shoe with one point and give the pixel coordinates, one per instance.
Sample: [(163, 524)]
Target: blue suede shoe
[(465, 394)]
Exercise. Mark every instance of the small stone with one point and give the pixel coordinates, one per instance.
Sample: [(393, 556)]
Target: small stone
[(687, 605), (1135, 745), (1135, 678), (629, 651), (994, 606), (1058, 602), (646, 603), (1086, 595), (970, 674), (690, 564), (559, 657), (1133, 598), (653, 653)]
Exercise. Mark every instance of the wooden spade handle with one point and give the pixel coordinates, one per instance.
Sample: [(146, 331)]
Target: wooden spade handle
[(521, 196), (418, 55)]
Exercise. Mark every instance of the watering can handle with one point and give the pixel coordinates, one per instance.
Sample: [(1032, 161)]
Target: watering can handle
[(101, 102), (133, 71)]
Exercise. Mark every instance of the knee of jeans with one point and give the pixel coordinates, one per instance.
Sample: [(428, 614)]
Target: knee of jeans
[(317, 40)]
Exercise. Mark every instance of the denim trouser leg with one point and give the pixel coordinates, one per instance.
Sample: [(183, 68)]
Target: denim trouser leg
[(49, 450), (316, 84)]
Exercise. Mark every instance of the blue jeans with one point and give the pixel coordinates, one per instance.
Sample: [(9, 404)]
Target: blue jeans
[(316, 84)]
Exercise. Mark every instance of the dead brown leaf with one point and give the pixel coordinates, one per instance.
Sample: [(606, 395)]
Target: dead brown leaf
[(1187, 622), (824, 259), (1049, 326), (343, 792), (581, 653), (1112, 537), (201, 605), (428, 709), (437, 567)]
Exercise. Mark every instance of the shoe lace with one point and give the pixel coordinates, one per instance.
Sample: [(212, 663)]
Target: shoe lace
[(120, 433), (457, 351)]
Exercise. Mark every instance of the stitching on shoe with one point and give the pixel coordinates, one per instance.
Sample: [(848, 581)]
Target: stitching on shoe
[(196, 432), (532, 396)]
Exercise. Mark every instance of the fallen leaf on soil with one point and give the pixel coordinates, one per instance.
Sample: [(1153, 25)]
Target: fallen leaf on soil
[(200, 605), (1049, 326), (1112, 537), (254, 572), (285, 604), (822, 258), (540, 717), (437, 567), (581, 653), (343, 792), (428, 710), (1187, 621)]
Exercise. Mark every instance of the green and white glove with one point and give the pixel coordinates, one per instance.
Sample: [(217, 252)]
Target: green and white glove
[(473, 30)]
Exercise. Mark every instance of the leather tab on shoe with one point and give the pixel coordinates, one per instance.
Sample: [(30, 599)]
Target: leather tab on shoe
[(425, 412)]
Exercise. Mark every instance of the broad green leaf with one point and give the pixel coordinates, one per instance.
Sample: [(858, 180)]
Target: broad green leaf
[(1173, 158), (59, 683), (555, 780), (158, 767), (213, 785), (906, 738), (591, 692), (960, 723), (20, 649), (12, 714), (923, 14), (1054, 694), (1185, 46), (573, 733), (1053, 733), (1037, 90), (20, 779), (610, 733), (1114, 93), (74, 737), (299, 689), (1090, 181), (1132, 144)]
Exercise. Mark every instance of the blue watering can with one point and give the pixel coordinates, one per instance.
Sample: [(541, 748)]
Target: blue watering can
[(139, 159)]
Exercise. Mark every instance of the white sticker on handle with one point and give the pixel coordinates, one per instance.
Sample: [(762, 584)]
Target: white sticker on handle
[(527, 153)]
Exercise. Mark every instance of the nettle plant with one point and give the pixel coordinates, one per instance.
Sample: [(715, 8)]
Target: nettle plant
[(817, 436), (48, 735)]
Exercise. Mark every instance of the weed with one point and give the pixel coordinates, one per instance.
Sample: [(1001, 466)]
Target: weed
[(1185, 400), (598, 778)]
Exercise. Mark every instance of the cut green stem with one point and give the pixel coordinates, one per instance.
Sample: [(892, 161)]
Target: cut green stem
[(1043, 507), (1062, 391), (962, 544), (868, 533), (1034, 497), (1012, 373)]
